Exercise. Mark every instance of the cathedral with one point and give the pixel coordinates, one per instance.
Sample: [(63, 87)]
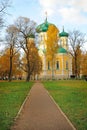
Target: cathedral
[(62, 65)]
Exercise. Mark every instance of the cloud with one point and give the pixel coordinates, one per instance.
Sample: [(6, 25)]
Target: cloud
[(72, 15), (80, 4), (54, 3), (71, 11), (48, 6)]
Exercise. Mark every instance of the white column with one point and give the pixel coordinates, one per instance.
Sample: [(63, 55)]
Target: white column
[(62, 65), (44, 66)]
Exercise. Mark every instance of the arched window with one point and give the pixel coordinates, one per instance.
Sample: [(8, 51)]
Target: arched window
[(48, 65), (57, 64), (66, 65), (41, 37)]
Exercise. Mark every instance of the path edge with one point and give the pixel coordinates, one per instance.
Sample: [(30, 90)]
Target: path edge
[(58, 107), (24, 102)]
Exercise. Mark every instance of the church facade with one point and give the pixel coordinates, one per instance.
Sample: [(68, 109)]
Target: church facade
[(62, 64)]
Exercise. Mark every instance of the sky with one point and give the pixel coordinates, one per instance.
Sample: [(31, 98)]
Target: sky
[(72, 14)]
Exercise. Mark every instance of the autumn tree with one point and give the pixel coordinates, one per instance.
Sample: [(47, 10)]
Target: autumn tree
[(11, 40), (5, 64), (76, 62), (84, 64), (35, 63), (52, 45), (26, 29), (76, 40)]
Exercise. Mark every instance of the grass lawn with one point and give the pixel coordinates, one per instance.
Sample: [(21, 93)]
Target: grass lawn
[(71, 96), (12, 95)]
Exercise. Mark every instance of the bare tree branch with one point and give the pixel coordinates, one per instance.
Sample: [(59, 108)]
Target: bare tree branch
[(76, 40)]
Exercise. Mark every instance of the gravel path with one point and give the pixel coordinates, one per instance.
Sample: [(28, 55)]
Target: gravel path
[(41, 113)]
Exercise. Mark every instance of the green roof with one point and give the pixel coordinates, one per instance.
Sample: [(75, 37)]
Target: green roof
[(61, 50), (31, 35), (63, 34), (43, 27)]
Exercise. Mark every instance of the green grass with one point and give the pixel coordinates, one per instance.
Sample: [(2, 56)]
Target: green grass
[(71, 96), (12, 95)]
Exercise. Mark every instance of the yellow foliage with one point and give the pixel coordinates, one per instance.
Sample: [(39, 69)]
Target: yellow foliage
[(33, 58), (52, 42), (5, 63), (84, 64)]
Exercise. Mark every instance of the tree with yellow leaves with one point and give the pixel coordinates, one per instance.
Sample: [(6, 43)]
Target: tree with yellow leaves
[(31, 62), (11, 41), (84, 64), (76, 40), (5, 64), (76, 64), (26, 29), (52, 45)]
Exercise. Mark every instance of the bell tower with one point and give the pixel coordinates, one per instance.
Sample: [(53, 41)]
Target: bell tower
[(64, 39)]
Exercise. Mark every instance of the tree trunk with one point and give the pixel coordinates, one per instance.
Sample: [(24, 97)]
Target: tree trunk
[(28, 77), (75, 64), (10, 70)]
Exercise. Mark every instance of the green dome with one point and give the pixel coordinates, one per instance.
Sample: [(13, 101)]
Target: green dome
[(63, 34), (43, 27), (61, 50)]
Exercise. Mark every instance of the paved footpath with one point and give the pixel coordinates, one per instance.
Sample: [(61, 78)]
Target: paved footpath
[(41, 113)]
